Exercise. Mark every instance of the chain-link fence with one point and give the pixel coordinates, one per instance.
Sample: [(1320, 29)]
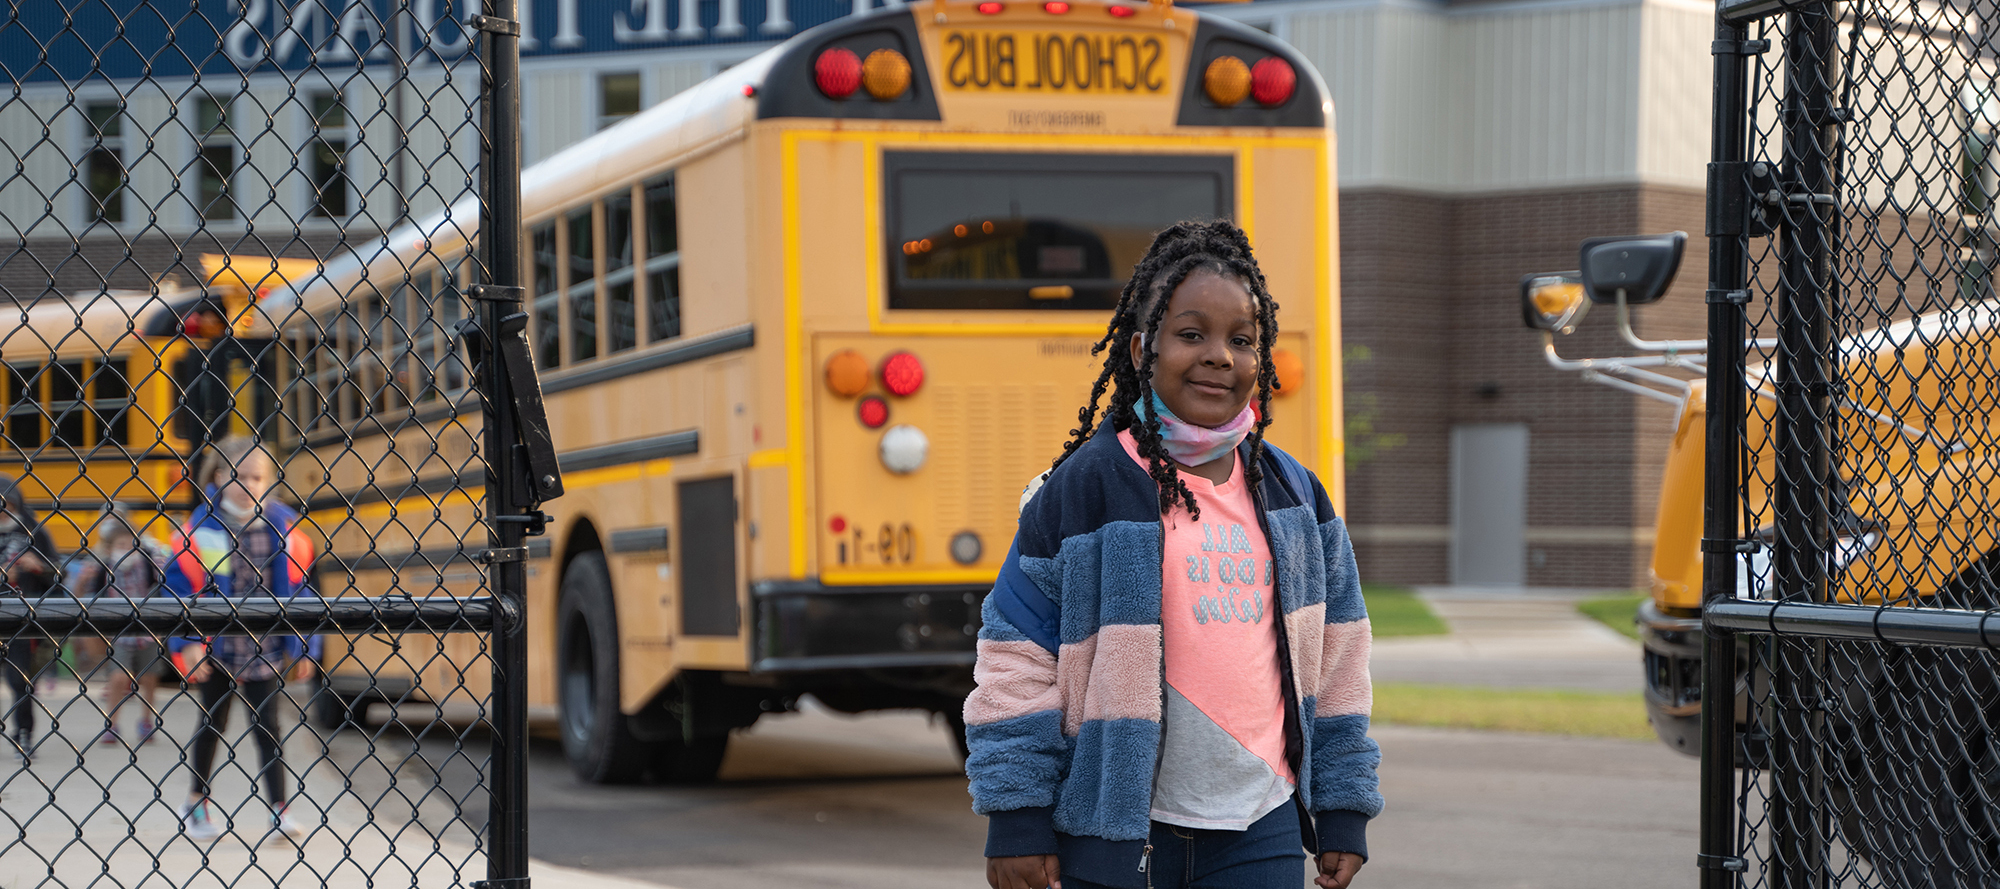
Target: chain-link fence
[(264, 505), (1852, 701)]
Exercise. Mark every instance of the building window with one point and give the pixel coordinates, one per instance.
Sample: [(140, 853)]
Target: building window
[(617, 97), (663, 262), (104, 164), (215, 168), (329, 156)]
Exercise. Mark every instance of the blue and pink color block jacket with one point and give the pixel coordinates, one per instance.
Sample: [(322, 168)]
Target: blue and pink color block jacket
[(1064, 727)]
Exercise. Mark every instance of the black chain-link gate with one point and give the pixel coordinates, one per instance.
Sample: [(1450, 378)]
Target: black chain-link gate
[(1851, 702), (271, 442)]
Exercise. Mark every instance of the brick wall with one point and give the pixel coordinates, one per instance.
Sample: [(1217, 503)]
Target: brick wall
[(1430, 286)]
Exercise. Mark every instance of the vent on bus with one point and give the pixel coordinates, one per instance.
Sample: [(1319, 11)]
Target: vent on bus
[(871, 68), (1241, 77)]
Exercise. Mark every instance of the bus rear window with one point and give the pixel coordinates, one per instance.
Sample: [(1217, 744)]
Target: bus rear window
[(1036, 231)]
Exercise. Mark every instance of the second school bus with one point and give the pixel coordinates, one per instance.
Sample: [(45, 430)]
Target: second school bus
[(805, 331)]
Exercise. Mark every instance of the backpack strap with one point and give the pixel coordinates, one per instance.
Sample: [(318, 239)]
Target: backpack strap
[(1292, 474)]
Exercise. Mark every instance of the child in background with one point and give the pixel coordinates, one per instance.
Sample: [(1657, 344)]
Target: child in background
[(27, 567), (1172, 675), (239, 544), (125, 565)]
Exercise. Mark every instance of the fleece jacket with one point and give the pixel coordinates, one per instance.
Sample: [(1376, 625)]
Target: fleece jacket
[(1064, 726)]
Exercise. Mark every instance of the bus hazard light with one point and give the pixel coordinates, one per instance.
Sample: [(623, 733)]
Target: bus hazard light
[(886, 74), (1227, 81), (902, 374), (837, 72), (847, 373), (1272, 81)]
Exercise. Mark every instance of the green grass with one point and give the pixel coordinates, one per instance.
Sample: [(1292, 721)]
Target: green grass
[(1539, 711), (1616, 612), (1396, 611)]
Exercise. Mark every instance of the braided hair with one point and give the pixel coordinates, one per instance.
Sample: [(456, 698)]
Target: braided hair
[(1184, 249)]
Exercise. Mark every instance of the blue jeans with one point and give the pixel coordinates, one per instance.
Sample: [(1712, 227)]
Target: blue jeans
[(1265, 855)]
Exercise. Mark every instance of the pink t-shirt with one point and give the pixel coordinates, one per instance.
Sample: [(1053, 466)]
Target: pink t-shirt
[(1222, 760)]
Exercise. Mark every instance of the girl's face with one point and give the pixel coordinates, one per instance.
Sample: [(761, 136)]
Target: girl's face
[(253, 480), (1206, 369)]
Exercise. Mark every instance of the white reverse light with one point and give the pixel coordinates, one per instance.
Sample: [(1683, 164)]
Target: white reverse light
[(904, 449)]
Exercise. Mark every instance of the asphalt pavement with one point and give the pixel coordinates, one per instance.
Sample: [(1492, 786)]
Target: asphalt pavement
[(820, 799)]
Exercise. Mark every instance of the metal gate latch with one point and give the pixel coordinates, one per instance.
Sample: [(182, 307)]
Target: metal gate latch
[(1729, 863)]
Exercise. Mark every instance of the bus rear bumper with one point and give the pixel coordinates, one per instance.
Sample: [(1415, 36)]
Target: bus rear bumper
[(806, 626)]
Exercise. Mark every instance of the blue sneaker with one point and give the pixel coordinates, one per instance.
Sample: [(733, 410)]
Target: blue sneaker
[(196, 823)]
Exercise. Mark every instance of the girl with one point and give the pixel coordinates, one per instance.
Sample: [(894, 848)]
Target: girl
[(126, 565), (239, 544), (1173, 672), (27, 565)]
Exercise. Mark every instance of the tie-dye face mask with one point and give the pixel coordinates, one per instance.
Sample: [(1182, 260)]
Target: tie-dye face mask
[(1192, 445)]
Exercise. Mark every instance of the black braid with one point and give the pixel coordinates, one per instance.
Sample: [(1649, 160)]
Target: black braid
[(1181, 250)]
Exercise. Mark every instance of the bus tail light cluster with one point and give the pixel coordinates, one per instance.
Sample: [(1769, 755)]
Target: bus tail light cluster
[(848, 375), (1228, 81), (839, 73)]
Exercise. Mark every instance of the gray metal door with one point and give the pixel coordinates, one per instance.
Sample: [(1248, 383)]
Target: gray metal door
[(1489, 503)]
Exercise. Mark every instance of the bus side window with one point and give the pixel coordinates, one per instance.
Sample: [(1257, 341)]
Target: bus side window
[(421, 358), (67, 409), (663, 261), (582, 268), (347, 390), (618, 273), (110, 401), (452, 367), (24, 412), (548, 298)]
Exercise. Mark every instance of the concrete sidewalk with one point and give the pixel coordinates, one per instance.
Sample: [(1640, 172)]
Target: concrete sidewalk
[(1512, 637), (384, 807)]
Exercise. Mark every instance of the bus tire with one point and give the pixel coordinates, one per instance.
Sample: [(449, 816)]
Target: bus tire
[(333, 711), (596, 737), (697, 761)]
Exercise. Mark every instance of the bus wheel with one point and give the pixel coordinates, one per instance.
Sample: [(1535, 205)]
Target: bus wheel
[(954, 721), (595, 735), (333, 712), (1906, 813), (679, 761)]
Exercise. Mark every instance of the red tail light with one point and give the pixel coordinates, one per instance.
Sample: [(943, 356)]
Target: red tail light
[(902, 374), (1272, 81), (990, 8), (838, 72), (1121, 12), (1055, 7), (873, 411)]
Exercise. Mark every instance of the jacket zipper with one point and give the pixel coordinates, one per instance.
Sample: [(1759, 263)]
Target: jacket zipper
[(1146, 865)]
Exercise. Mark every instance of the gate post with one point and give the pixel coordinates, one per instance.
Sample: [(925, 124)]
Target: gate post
[(507, 503), (1804, 483), (1728, 263)]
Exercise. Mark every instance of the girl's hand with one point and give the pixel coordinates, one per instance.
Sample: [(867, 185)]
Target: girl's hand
[(1337, 869), (1025, 872), (197, 654), (303, 670)]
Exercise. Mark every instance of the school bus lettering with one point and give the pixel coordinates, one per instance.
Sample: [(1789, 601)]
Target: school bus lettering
[(1057, 62)]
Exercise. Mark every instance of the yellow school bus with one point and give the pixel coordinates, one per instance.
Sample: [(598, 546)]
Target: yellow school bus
[(804, 332), (109, 396)]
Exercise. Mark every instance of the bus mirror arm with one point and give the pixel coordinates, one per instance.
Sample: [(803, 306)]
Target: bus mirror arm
[(541, 479)]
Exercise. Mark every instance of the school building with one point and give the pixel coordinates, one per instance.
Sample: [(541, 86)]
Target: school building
[(1479, 141)]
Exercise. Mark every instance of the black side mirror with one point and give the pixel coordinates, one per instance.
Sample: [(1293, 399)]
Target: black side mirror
[(1641, 266), (1553, 301)]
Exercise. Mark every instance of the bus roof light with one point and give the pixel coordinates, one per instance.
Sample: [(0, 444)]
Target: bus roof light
[(1227, 81), (886, 74), (1120, 11), (837, 72), (902, 374), (1055, 7), (1272, 81), (990, 8)]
